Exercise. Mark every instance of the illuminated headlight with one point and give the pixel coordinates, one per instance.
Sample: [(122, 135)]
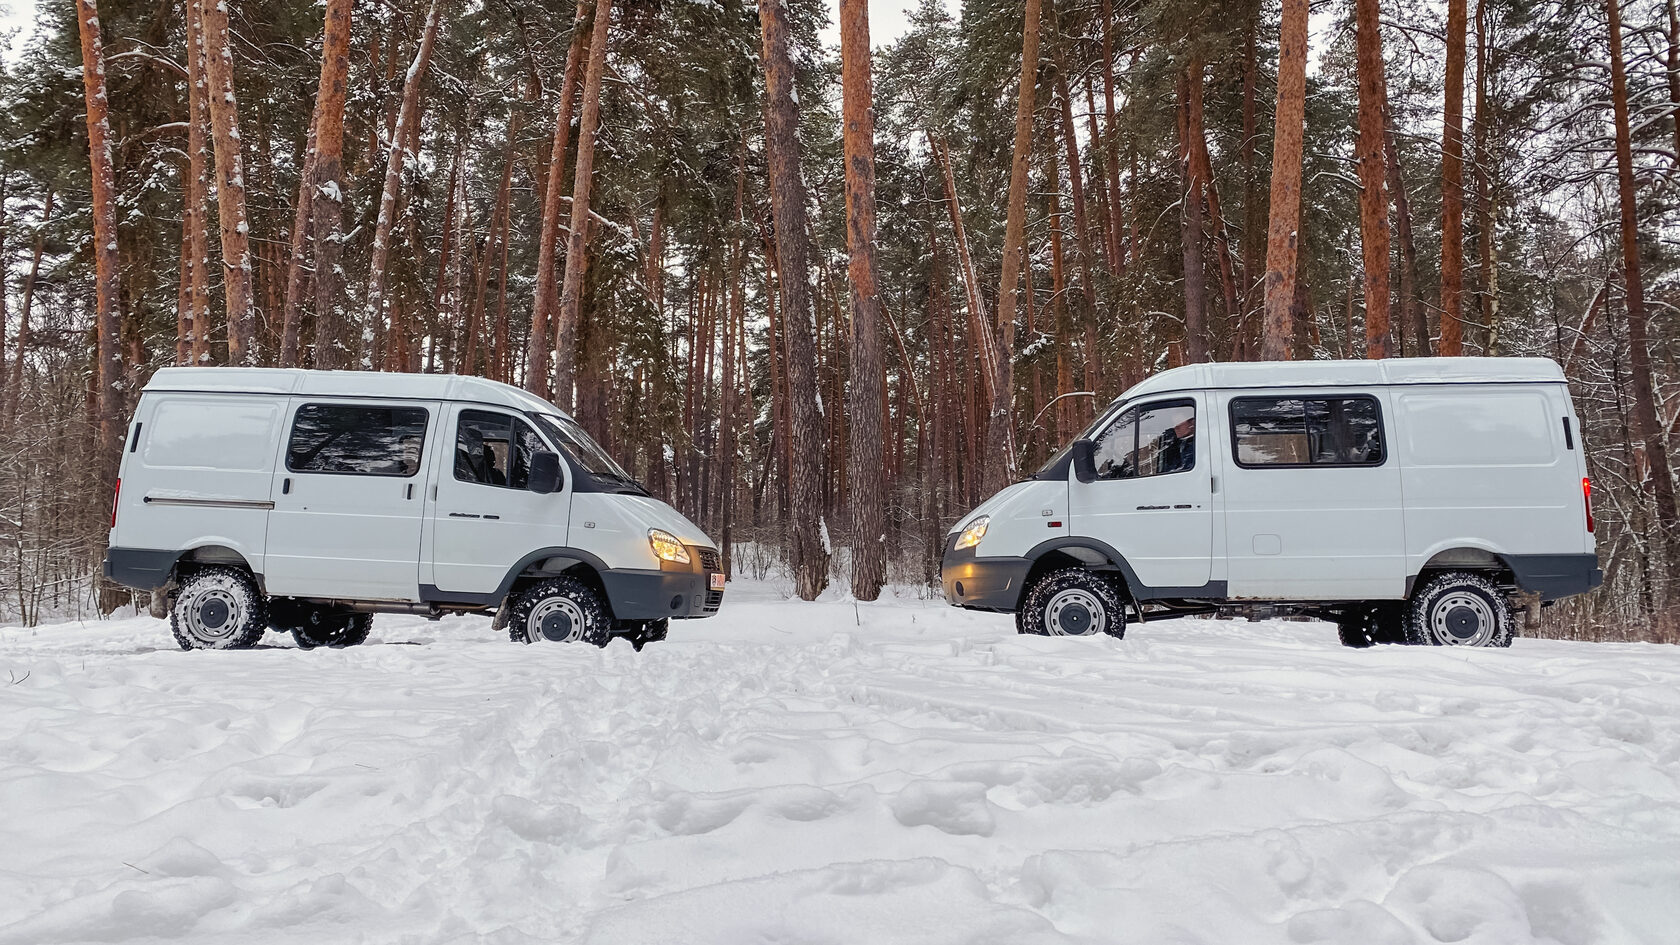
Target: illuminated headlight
[(975, 531), (666, 547)]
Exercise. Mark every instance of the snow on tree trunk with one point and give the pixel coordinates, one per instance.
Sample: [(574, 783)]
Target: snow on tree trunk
[(230, 185), (865, 478), (1282, 231), (1373, 197), (787, 201)]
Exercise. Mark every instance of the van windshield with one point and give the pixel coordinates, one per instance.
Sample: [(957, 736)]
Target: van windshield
[(581, 449), (1052, 468)]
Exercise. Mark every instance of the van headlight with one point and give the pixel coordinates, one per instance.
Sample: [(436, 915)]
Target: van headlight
[(975, 531), (666, 547)]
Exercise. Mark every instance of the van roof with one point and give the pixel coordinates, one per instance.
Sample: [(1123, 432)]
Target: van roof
[(348, 384), (1351, 373)]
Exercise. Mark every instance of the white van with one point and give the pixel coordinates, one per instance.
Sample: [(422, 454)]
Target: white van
[(307, 501), (1406, 500)]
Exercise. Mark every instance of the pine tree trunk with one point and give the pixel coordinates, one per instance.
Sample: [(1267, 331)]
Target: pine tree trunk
[(1191, 226), (980, 333), (1282, 229), (23, 339), (1414, 322), (1639, 346), (196, 192), (327, 189), (1253, 225), (108, 376), (408, 123), (493, 237), (577, 247), (1076, 185), (230, 185), (297, 273), (808, 533), (1000, 429), (868, 372), (542, 306), (1111, 166), (1452, 187), (1487, 212), (1373, 197)]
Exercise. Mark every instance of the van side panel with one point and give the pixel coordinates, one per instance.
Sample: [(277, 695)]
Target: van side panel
[(1486, 467), (199, 474)]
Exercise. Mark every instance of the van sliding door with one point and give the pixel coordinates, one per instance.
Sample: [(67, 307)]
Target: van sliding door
[(348, 492)]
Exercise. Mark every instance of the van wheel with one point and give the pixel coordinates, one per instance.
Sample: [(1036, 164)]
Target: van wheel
[(562, 609), (1073, 603), (334, 630), (1458, 608), (218, 608), (642, 632)]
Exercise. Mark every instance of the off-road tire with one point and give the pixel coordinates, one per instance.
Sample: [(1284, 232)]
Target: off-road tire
[(334, 630), (642, 632), (563, 609), (1073, 602), (1371, 625), (218, 608), (1459, 608)]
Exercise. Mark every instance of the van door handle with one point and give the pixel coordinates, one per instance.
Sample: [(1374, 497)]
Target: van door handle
[(286, 486), (465, 515), (408, 493)]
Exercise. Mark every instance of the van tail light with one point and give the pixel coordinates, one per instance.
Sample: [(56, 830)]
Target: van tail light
[(117, 494), (1586, 500)]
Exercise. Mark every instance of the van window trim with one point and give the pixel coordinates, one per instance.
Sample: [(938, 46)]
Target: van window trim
[(291, 425), (1382, 429), (1140, 405), (512, 418)]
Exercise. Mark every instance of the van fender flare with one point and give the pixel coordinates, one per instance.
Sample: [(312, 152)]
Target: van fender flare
[(566, 557), (1095, 552), (1449, 545)]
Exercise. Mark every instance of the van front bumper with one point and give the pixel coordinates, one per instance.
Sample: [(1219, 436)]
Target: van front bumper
[(678, 591), (977, 583)]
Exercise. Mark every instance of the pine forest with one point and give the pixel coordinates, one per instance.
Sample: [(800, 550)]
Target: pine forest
[(825, 292)]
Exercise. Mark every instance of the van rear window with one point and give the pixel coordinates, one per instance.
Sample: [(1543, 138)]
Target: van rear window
[(1306, 431), (357, 439)]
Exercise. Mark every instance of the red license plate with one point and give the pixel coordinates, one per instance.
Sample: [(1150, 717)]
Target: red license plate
[(717, 582)]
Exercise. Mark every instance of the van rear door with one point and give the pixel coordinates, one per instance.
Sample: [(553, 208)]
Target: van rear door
[(348, 492)]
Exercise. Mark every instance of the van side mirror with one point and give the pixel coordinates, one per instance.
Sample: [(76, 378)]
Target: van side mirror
[(544, 476), (1083, 453)]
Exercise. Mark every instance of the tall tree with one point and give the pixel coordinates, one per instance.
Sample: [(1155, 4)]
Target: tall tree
[(807, 534), (542, 305), (327, 188), (868, 372), (230, 186), (1282, 229), (196, 194), (1649, 428), (408, 121), (1452, 187), (1000, 430), (577, 245), (1373, 196), (1191, 225), (108, 399)]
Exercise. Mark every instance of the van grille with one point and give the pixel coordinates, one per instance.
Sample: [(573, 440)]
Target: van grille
[(708, 559), (714, 600)]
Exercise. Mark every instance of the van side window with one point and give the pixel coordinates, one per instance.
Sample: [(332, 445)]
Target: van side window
[(1307, 431), (357, 439), (1151, 440), (494, 449)]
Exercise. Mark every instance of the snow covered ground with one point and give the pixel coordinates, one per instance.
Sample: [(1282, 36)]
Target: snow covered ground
[(831, 773)]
